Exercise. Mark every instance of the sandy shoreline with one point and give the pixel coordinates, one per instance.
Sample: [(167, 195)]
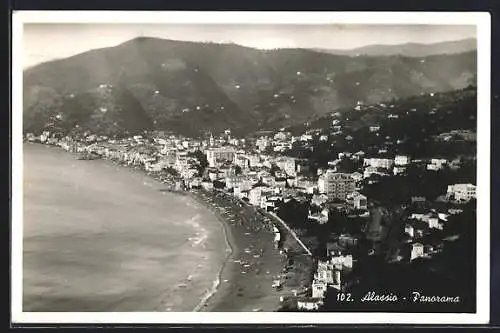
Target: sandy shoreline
[(230, 250), (248, 274)]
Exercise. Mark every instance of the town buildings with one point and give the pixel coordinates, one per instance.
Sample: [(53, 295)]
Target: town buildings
[(219, 155), (461, 192), (417, 251), (309, 303), (402, 160), (358, 200), (336, 185), (384, 163), (436, 164)]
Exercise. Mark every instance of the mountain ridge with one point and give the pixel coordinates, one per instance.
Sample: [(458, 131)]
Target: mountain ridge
[(192, 87), (409, 49)]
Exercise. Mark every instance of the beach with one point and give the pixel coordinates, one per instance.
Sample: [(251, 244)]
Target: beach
[(103, 237), (254, 263)]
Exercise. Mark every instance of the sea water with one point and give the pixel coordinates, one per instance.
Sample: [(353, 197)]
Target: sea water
[(101, 237)]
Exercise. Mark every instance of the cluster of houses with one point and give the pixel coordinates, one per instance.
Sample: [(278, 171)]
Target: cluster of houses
[(328, 275), (422, 220)]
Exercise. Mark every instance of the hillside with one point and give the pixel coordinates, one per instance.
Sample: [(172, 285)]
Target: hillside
[(186, 87), (423, 126), (410, 49)]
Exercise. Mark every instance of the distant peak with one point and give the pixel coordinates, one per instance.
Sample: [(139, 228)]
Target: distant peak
[(143, 39)]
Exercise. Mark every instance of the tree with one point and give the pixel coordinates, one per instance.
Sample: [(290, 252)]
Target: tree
[(200, 157), (219, 185), (274, 169), (171, 171)]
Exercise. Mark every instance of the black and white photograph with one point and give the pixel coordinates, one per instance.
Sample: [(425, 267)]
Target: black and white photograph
[(234, 167)]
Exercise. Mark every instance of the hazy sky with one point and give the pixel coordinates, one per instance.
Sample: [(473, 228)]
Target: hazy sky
[(48, 41)]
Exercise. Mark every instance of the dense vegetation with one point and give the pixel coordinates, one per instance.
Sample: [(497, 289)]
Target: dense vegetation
[(449, 273), (421, 119)]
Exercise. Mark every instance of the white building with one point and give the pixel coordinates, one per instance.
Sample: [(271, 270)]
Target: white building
[(337, 282), (384, 163), (336, 185), (372, 171), (357, 176), (258, 193), (436, 164), (194, 182), (240, 193), (242, 161), (320, 217), (319, 199), (309, 304), (409, 230), (360, 201), (262, 143), (207, 186), (319, 289), (461, 192), (324, 272), (306, 137), (216, 156), (270, 201), (305, 184), (342, 261), (282, 136), (254, 160), (402, 160), (398, 170), (287, 164), (277, 236), (433, 167), (417, 251), (433, 222), (238, 181), (268, 179)]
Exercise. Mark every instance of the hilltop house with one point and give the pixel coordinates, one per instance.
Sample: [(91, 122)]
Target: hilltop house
[(319, 288), (417, 251), (461, 192), (436, 164), (341, 262), (432, 219), (409, 230), (319, 199), (320, 217), (402, 160), (358, 201), (384, 163)]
